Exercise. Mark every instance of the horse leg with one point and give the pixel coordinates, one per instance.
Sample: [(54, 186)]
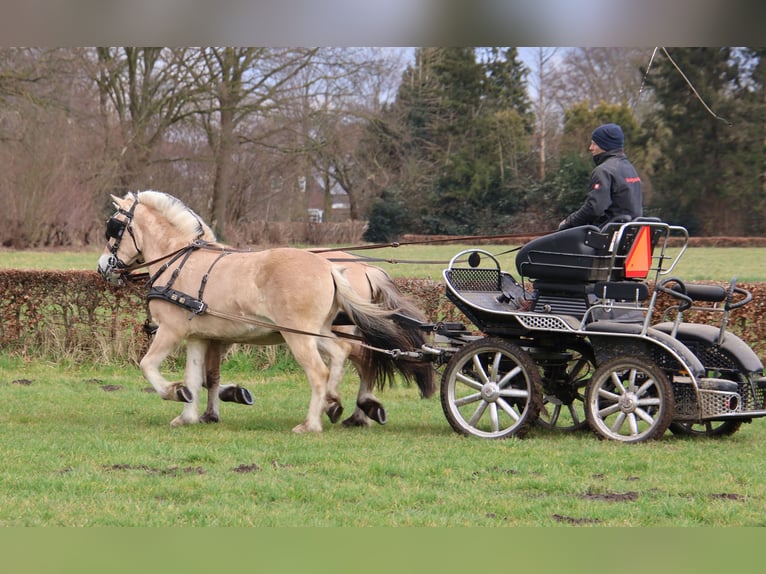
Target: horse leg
[(367, 405), (215, 390), (336, 354), (212, 382), (193, 378), (307, 355), (162, 345)]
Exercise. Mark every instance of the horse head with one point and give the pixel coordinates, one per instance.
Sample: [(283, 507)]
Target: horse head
[(115, 257), (152, 220)]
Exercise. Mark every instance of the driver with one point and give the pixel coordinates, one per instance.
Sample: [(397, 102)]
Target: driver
[(615, 186)]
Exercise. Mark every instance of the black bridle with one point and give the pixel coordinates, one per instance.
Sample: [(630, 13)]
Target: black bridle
[(115, 230)]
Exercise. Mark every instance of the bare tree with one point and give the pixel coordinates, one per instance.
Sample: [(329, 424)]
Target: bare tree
[(244, 88), (542, 88), (143, 92), (601, 76)]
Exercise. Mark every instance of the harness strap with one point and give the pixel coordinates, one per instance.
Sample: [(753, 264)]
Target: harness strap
[(184, 252), (203, 283), (196, 306)]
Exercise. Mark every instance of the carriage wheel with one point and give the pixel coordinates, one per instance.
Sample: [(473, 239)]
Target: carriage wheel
[(565, 376), (491, 389), (714, 429), (629, 399)]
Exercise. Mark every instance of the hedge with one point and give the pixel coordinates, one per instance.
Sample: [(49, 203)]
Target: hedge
[(77, 315)]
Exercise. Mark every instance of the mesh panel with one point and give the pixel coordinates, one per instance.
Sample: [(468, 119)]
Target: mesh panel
[(542, 322), (465, 279)]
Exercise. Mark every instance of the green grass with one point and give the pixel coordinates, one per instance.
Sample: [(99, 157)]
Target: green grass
[(428, 261), (88, 446)]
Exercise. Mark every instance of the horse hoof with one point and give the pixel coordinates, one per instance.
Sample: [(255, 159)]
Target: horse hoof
[(358, 419), (379, 415), (209, 418), (236, 394), (375, 411), (244, 397), (334, 411), (184, 395)]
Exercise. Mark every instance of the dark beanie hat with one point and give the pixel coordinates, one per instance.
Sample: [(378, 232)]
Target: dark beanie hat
[(608, 137)]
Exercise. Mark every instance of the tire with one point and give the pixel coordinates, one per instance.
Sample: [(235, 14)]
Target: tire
[(565, 376), (629, 399), (712, 429), (491, 389)]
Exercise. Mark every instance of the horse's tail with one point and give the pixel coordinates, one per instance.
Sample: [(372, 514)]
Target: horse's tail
[(386, 294), (378, 328)]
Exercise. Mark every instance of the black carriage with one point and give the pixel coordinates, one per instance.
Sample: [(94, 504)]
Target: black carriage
[(576, 343)]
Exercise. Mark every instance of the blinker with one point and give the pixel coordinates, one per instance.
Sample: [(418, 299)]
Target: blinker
[(114, 229)]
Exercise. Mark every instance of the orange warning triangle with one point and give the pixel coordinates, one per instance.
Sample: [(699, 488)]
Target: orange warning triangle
[(639, 259)]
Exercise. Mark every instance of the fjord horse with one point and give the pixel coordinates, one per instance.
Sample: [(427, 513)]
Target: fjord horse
[(202, 292), (372, 284)]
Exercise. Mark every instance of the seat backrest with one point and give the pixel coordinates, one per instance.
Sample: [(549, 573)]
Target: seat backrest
[(633, 254)]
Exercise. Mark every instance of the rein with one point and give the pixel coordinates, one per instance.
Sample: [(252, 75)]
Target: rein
[(395, 244), (198, 307)]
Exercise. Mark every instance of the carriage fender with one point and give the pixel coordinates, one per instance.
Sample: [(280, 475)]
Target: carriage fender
[(600, 332), (739, 351)]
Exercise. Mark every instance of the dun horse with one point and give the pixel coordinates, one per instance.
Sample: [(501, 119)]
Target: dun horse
[(375, 285), (202, 292)]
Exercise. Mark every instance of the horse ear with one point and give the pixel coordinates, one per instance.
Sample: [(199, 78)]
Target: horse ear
[(116, 201)]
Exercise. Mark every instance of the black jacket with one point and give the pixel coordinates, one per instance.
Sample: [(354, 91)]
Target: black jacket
[(615, 190)]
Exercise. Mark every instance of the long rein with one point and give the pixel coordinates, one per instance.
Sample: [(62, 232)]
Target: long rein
[(198, 307)]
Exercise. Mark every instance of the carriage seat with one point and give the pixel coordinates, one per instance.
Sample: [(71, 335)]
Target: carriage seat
[(582, 254), (572, 255)]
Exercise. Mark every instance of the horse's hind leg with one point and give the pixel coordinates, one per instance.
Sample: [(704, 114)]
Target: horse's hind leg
[(368, 407), (212, 381), (215, 390), (336, 354), (307, 355)]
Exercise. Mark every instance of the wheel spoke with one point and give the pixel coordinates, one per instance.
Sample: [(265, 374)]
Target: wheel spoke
[(505, 381), (645, 387), (645, 416), (495, 369), (618, 422), (604, 394), (494, 423), (515, 393), (573, 413), (467, 400), (610, 410), (618, 384), (480, 369), (509, 409), (476, 417), (474, 384), (555, 416)]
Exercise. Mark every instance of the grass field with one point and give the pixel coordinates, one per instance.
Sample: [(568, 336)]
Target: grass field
[(87, 445)]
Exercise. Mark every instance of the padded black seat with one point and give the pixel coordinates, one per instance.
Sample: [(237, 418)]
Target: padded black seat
[(573, 255)]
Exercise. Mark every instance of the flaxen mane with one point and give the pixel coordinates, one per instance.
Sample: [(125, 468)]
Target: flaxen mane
[(179, 215)]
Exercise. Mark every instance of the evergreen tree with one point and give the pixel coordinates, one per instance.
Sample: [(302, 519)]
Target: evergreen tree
[(465, 124), (695, 148)]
